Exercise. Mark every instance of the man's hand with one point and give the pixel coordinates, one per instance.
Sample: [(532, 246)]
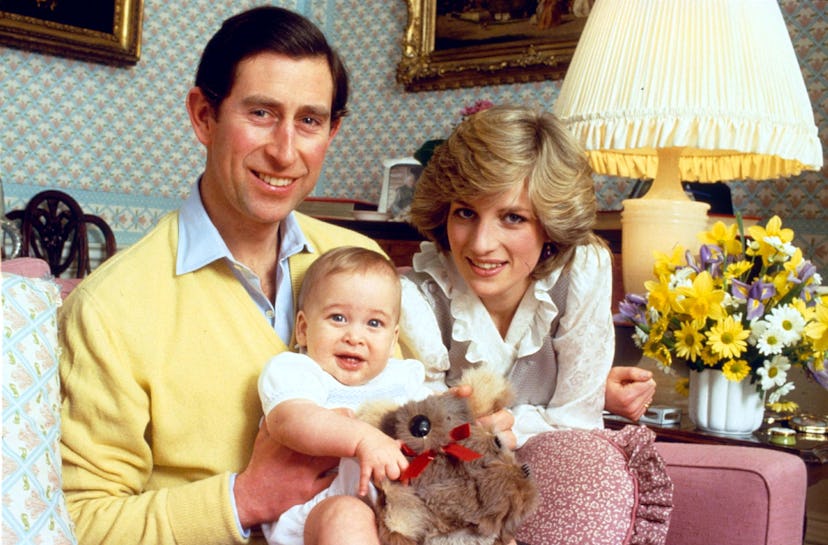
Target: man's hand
[(277, 478), (629, 391)]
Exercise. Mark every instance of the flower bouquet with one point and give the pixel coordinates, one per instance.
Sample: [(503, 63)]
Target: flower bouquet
[(750, 306)]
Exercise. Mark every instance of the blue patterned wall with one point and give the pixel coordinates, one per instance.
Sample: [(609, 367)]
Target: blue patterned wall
[(118, 139)]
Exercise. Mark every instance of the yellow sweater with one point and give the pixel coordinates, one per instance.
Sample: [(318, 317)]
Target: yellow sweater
[(159, 379)]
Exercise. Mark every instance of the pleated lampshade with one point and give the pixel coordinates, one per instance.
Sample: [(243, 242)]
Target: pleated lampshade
[(685, 90)]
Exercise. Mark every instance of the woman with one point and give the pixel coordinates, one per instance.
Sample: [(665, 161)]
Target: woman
[(513, 276)]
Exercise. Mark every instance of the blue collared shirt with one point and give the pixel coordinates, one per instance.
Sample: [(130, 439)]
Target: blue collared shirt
[(199, 244)]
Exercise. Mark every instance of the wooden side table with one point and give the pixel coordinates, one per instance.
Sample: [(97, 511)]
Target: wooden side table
[(812, 448)]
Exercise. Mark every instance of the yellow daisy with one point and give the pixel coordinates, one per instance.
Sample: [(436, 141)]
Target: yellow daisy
[(783, 406), (735, 370), (689, 342), (708, 357), (737, 269), (682, 386), (657, 351), (727, 338)]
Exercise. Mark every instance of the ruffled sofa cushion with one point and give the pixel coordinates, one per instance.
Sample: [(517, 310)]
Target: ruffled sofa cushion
[(601, 487), (34, 510)]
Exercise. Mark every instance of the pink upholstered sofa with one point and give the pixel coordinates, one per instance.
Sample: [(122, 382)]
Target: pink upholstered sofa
[(734, 495), (721, 495)]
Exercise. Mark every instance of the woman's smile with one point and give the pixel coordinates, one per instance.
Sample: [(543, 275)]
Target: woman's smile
[(487, 268)]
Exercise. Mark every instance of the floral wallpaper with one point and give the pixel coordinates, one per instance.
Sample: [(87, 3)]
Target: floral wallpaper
[(118, 139)]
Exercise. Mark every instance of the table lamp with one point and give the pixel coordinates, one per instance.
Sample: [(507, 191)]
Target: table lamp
[(685, 90)]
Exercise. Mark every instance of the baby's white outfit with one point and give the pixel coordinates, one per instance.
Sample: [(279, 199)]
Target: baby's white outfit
[(297, 376)]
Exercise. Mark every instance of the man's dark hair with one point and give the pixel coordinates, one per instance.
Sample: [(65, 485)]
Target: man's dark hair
[(266, 29)]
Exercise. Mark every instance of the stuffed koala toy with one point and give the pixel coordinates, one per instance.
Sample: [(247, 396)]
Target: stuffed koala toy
[(462, 487)]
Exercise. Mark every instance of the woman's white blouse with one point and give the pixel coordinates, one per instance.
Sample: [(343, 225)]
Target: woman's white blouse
[(583, 341)]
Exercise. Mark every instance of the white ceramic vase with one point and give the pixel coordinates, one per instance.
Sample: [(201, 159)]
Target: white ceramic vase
[(722, 406)]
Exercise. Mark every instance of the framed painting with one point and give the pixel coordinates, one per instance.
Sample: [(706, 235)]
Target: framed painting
[(399, 176), (457, 43), (106, 31)]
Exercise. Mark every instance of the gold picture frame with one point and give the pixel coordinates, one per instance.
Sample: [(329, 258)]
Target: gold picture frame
[(474, 47), (105, 31)]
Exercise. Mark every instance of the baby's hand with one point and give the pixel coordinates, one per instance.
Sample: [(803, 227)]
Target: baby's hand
[(379, 457)]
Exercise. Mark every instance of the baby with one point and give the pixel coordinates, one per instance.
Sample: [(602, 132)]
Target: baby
[(346, 328)]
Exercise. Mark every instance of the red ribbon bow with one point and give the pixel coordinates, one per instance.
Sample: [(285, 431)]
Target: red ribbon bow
[(462, 453)]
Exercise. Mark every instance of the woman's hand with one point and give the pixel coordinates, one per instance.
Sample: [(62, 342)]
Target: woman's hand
[(629, 391), (500, 422)]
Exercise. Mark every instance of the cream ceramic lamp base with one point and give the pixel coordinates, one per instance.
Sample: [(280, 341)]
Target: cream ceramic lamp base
[(656, 224), (660, 220)]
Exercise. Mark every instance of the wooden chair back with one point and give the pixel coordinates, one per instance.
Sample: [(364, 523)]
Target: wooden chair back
[(54, 228)]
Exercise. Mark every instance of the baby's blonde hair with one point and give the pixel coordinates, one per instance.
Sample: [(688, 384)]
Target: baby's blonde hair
[(352, 260)]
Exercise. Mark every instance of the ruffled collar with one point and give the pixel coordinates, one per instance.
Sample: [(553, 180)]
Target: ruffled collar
[(472, 323)]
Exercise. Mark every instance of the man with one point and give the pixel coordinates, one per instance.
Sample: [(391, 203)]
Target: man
[(163, 345)]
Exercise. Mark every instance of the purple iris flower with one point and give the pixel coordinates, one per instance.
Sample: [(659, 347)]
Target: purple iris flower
[(762, 290), (690, 259), (820, 376), (709, 255), (739, 290), (806, 271), (754, 294), (755, 309), (633, 309), (793, 279)]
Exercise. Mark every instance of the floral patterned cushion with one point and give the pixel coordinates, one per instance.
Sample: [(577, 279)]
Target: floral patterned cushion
[(34, 510), (601, 487)]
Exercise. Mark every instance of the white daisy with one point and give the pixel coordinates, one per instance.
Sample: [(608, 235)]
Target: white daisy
[(729, 301), (784, 250), (780, 392), (769, 342), (788, 324), (682, 278), (640, 337), (757, 329), (774, 372)]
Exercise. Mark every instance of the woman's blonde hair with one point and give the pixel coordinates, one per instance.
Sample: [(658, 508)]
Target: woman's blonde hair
[(490, 152)]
